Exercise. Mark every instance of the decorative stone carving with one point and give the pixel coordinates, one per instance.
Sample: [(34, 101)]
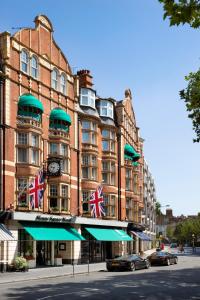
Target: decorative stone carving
[(128, 93)]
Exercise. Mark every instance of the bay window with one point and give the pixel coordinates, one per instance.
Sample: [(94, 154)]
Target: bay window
[(89, 132), (58, 197), (28, 148), (109, 205), (89, 166), (106, 109), (108, 172), (61, 151), (108, 140)]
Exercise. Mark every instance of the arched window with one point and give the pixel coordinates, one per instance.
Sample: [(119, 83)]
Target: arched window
[(24, 61), (63, 84), (54, 79), (34, 67)]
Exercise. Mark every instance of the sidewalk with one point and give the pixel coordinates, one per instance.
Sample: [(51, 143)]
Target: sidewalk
[(51, 272)]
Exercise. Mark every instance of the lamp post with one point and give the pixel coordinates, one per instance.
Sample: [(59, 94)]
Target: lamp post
[(193, 238)]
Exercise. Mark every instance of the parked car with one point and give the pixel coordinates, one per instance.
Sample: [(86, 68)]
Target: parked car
[(162, 258), (127, 262)]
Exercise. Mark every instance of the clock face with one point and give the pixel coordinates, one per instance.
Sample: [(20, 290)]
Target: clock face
[(53, 167)]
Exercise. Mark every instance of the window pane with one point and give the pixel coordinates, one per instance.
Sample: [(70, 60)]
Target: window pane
[(63, 84), (24, 61), (34, 67), (53, 148), (105, 145), (64, 165), (34, 140), (94, 160), (63, 150), (94, 173), (53, 190), (22, 155), (34, 156), (22, 138), (105, 177), (85, 159), (85, 173), (64, 191), (85, 124), (105, 166), (105, 133), (85, 137), (94, 138)]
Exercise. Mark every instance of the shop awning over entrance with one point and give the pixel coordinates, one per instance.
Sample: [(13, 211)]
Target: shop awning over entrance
[(49, 232), (102, 234), (142, 235), (5, 234)]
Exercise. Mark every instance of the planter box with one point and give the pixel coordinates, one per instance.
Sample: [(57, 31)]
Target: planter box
[(31, 263), (58, 261)]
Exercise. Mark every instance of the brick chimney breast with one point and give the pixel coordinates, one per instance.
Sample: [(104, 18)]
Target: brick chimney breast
[(85, 79)]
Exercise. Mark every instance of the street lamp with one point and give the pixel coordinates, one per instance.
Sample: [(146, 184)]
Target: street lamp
[(193, 237)]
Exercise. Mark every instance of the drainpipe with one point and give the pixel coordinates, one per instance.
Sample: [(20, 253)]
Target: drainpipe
[(119, 175), (2, 138)]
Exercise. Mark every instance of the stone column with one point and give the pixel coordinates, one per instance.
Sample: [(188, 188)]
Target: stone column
[(52, 253)]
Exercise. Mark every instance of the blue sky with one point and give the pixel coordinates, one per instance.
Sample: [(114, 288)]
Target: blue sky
[(126, 44)]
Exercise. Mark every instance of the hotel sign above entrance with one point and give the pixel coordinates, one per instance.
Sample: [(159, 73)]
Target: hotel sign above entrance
[(53, 219)]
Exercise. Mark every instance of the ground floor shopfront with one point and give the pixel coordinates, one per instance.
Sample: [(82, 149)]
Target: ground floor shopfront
[(54, 240)]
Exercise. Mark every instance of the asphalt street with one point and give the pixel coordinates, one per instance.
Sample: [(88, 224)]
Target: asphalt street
[(181, 281)]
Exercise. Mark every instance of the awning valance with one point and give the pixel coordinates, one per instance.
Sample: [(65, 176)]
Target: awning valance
[(141, 235), (102, 234), (51, 232), (5, 234)]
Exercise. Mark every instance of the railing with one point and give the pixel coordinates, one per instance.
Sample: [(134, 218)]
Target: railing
[(27, 121)]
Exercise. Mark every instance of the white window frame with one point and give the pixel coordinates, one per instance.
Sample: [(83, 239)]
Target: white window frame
[(34, 68), (63, 84), (55, 79), (24, 61), (107, 106), (87, 97)]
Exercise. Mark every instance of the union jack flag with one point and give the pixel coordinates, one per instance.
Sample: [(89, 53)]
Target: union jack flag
[(96, 203), (36, 190)]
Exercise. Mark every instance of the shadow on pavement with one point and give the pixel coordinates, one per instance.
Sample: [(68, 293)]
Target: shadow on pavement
[(168, 284)]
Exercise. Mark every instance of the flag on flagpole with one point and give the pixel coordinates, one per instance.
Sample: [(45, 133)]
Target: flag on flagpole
[(36, 190), (96, 203)]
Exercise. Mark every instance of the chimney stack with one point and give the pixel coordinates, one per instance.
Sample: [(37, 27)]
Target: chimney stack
[(85, 79)]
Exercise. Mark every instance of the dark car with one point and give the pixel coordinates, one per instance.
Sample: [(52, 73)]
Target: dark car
[(162, 258), (127, 262)]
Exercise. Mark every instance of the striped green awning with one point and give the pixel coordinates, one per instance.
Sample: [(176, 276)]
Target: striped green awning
[(102, 234), (51, 232)]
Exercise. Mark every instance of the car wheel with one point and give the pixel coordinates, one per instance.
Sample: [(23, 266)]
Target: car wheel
[(168, 262), (176, 260), (147, 265), (132, 266)]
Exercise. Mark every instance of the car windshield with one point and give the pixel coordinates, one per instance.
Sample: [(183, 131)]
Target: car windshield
[(160, 253)]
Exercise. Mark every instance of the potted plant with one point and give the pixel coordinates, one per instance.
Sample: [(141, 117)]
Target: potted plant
[(30, 258), (58, 260), (20, 264)]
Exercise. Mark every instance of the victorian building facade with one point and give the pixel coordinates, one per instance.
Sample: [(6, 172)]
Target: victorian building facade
[(52, 120)]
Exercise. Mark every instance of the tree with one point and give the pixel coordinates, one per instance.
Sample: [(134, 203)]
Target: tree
[(182, 12), (158, 209)]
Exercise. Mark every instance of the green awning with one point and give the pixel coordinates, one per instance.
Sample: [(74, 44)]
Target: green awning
[(102, 234), (60, 114), (49, 232), (129, 150), (130, 153), (28, 100)]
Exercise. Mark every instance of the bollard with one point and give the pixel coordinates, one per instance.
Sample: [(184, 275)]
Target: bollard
[(73, 267)]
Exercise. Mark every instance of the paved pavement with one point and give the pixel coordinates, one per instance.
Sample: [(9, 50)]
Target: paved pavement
[(50, 272)]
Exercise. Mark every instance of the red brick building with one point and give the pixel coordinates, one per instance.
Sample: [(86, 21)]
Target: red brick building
[(53, 119)]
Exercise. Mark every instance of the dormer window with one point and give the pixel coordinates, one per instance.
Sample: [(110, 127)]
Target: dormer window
[(106, 109), (24, 61), (87, 97)]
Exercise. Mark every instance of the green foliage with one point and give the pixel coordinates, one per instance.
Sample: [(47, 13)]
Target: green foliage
[(191, 96), (184, 230), (170, 232), (182, 11), (20, 263), (158, 209)]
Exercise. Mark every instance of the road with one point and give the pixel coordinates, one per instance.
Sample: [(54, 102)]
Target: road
[(181, 282)]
